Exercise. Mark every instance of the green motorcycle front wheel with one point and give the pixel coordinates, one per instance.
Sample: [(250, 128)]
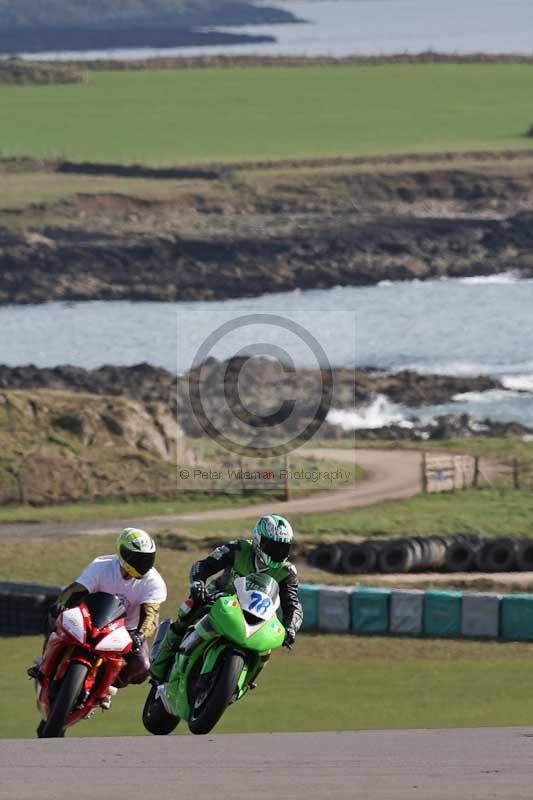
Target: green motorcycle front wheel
[(210, 704)]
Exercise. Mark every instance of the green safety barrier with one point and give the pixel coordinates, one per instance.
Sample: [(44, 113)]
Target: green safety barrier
[(308, 594), (445, 613), (442, 613), (370, 610), (516, 620)]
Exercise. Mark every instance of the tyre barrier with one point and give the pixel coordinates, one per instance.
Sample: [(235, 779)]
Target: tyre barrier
[(414, 612), (524, 554), (458, 553), (326, 556), (24, 607)]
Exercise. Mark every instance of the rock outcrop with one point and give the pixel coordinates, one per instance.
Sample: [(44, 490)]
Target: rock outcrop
[(61, 447), (225, 235)]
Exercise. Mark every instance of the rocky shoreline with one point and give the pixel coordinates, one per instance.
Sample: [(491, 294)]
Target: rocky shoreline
[(84, 29), (79, 265), (41, 40), (351, 388), (235, 232)]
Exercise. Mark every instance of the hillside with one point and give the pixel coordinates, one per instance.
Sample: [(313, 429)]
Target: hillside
[(118, 13), (61, 447)]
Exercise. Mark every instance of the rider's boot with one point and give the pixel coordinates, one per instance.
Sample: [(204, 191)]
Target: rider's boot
[(167, 650), (169, 646), (33, 672), (105, 704)]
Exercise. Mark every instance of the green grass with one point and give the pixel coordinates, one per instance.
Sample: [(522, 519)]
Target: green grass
[(356, 684), (60, 561), (197, 115), (303, 483), (41, 187), (116, 509), (486, 511), (499, 446)]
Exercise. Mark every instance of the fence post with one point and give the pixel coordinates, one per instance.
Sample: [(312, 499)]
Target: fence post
[(475, 482), (243, 482), (516, 474), (287, 479), (423, 469)]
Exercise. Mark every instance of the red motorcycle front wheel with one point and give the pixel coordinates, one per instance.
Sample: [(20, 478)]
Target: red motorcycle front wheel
[(69, 691)]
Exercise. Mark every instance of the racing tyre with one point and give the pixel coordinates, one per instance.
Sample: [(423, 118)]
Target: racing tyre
[(156, 718), (326, 556), (210, 704), (65, 700)]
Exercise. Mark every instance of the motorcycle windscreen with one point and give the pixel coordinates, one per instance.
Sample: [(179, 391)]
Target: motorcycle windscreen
[(260, 582), (104, 608), (258, 596)]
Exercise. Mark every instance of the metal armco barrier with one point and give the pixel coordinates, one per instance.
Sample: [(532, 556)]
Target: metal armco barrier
[(24, 607), (413, 612)]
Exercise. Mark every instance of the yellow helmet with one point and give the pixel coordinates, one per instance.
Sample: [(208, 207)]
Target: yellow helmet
[(136, 551)]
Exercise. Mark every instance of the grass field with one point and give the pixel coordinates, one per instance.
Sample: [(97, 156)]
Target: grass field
[(309, 477), (327, 683), (486, 511), (504, 447), (490, 512), (162, 116)]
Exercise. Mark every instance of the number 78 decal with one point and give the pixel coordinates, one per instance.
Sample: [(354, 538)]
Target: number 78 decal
[(260, 603)]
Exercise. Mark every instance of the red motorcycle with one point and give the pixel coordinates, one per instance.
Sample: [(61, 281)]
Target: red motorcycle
[(81, 660)]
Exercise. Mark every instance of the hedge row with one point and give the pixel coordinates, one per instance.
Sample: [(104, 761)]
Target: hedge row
[(413, 612), (460, 553)]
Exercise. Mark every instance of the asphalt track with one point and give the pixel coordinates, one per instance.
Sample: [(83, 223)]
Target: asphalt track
[(393, 475), (454, 764)]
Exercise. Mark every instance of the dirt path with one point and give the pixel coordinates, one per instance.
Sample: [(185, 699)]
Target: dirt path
[(393, 475), (452, 764)]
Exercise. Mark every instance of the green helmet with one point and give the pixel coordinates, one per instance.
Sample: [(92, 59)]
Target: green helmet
[(136, 552), (272, 540)]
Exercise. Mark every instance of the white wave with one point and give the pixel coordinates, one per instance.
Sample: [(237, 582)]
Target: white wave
[(379, 413), (518, 383), (500, 277), (489, 396)]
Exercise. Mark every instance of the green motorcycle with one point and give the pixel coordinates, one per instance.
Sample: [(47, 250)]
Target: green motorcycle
[(217, 657)]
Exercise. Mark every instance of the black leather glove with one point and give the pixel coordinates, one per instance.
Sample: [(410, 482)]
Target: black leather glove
[(138, 641), (51, 618), (290, 637), (198, 592)]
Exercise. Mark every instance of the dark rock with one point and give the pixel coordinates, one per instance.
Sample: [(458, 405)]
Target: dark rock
[(263, 385)]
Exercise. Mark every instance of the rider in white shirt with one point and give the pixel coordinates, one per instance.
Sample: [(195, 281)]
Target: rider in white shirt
[(132, 576)]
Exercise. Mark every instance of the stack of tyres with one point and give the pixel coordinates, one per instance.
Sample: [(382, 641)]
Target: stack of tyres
[(398, 556), (417, 554), (361, 558), (24, 607), (458, 553), (524, 554), (326, 557), (497, 555), (462, 552)]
